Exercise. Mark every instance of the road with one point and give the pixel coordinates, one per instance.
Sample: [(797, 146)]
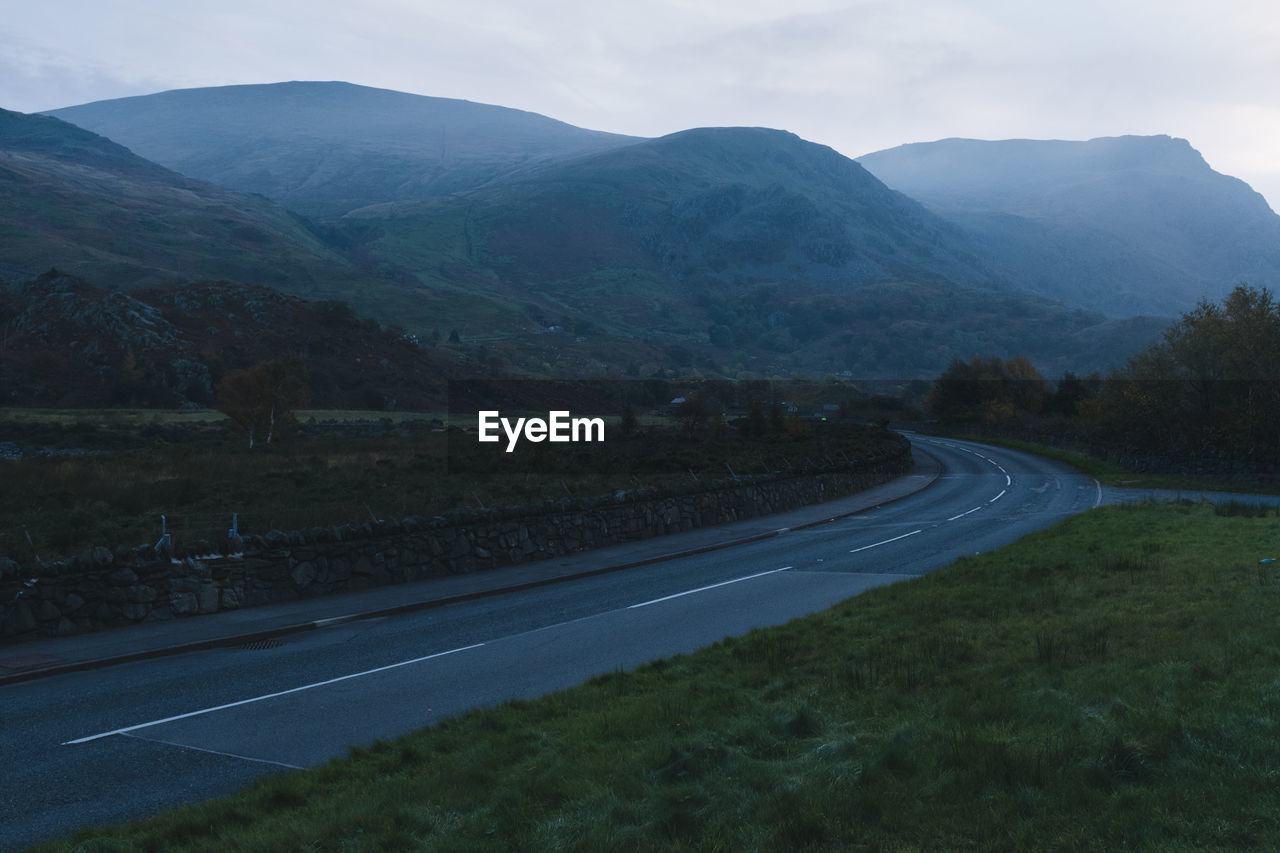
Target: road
[(109, 745)]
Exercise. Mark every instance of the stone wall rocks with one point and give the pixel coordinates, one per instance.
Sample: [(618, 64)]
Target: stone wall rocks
[(104, 588)]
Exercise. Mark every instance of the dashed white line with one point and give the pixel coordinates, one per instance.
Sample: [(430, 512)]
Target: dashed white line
[(1008, 481), (885, 542), (176, 717), (320, 623), (963, 514), (703, 588), (999, 496)]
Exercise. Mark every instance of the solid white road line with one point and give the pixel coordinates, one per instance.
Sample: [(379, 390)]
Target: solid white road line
[(128, 729), (702, 588), (215, 752), (885, 542)]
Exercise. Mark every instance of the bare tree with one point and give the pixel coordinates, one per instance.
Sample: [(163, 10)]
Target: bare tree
[(260, 400)]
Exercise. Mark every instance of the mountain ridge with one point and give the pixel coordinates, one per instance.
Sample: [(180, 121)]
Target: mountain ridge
[(729, 251), (324, 148), (1152, 227)]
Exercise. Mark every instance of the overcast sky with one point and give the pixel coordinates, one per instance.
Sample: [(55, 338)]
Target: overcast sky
[(858, 76)]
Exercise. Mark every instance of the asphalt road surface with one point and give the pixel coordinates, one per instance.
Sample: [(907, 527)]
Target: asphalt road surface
[(108, 745)]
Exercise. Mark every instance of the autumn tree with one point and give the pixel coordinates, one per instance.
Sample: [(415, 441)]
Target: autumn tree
[(260, 400), (993, 390), (1214, 381)]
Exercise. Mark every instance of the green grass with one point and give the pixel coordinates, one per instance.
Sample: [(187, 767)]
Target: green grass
[(1110, 683), (1109, 474)]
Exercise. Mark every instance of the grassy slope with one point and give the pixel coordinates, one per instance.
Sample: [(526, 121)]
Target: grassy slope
[(76, 201), (1090, 687)]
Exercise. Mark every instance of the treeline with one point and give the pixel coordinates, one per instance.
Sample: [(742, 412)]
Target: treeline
[(1212, 385)]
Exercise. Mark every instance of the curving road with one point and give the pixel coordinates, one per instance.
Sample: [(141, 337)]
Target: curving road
[(128, 741)]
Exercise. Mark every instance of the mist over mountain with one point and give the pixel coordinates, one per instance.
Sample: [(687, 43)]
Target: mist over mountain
[(1126, 225), (742, 248), (324, 148), (555, 251)]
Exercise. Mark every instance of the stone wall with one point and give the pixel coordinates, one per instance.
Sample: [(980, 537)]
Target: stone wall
[(103, 588)]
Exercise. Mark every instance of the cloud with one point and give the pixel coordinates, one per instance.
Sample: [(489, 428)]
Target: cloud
[(856, 75)]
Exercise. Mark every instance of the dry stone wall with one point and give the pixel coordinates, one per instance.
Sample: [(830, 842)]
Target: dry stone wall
[(103, 588)]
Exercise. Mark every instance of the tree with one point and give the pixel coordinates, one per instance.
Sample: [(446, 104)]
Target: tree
[(989, 389), (628, 422), (260, 400), (1214, 382)]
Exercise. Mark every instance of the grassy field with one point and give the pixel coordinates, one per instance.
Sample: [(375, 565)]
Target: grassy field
[(1110, 683), (196, 473)]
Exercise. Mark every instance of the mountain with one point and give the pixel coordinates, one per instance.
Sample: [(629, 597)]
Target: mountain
[(1125, 225), (699, 208), (65, 342), (744, 247), (323, 149), (559, 252), (76, 200)]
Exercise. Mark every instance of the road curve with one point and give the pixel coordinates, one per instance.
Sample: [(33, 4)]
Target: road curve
[(115, 744)]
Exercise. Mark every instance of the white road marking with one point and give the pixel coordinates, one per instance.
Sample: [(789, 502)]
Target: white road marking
[(999, 496), (215, 751), (135, 728), (1098, 502), (703, 588), (320, 623), (963, 514), (885, 542), (1008, 481)]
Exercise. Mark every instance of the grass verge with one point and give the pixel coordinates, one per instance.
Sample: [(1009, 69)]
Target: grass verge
[(1109, 474), (1108, 683)]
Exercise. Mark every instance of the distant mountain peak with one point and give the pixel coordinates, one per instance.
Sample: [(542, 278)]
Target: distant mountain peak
[(1122, 224), (326, 148)]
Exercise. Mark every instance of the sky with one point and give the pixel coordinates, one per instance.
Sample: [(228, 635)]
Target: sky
[(858, 76)]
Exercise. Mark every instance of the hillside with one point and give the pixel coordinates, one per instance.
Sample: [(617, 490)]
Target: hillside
[(714, 251), (1124, 225), (76, 201), (323, 149), (734, 249), (65, 342), (79, 201)]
